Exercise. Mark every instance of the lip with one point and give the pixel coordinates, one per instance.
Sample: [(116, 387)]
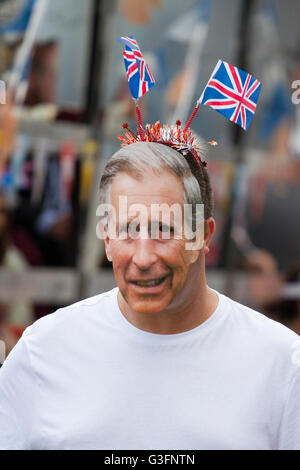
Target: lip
[(150, 289), (149, 279)]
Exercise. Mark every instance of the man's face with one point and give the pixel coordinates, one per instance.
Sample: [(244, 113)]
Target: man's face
[(150, 271)]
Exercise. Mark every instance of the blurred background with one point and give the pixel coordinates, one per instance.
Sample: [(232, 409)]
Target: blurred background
[(66, 97)]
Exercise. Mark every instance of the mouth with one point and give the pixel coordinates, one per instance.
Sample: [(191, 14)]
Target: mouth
[(150, 282)]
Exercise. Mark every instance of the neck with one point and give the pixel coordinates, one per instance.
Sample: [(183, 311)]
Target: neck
[(194, 305)]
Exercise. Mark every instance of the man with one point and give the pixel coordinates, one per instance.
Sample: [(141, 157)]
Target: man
[(162, 361)]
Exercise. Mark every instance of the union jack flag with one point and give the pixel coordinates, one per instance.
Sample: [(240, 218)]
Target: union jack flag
[(138, 74), (233, 93)]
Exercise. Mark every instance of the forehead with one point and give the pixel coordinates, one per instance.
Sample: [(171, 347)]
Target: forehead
[(151, 188)]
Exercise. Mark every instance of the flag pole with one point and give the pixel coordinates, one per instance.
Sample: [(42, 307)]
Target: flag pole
[(139, 119), (192, 116)]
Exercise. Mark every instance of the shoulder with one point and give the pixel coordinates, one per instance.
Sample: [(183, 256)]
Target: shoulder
[(256, 328), (73, 316)]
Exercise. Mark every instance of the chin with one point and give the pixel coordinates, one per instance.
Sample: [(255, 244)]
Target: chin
[(148, 304)]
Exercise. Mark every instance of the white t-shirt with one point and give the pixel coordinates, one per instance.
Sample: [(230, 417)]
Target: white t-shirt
[(85, 378)]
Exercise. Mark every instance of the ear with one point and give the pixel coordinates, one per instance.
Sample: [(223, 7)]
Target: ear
[(105, 237), (209, 229)]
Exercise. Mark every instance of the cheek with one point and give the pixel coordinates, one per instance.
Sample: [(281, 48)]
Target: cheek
[(120, 254), (175, 256), (172, 254)]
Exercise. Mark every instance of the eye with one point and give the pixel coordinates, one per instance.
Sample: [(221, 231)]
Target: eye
[(164, 228), (129, 227), (133, 229), (165, 231)]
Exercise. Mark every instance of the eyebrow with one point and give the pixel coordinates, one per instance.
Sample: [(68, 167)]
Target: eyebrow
[(131, 219), (125, 224)]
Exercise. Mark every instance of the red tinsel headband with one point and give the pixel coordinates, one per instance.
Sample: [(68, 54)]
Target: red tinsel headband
[(180, 139)]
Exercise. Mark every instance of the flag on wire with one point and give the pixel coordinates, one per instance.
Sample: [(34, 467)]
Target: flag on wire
[(233, 93), (138, 74)]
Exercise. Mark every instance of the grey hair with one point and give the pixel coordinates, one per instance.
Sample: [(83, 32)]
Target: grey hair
[(152, 157)]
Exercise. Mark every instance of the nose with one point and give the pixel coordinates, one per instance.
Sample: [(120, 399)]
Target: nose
[(144, 253)]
